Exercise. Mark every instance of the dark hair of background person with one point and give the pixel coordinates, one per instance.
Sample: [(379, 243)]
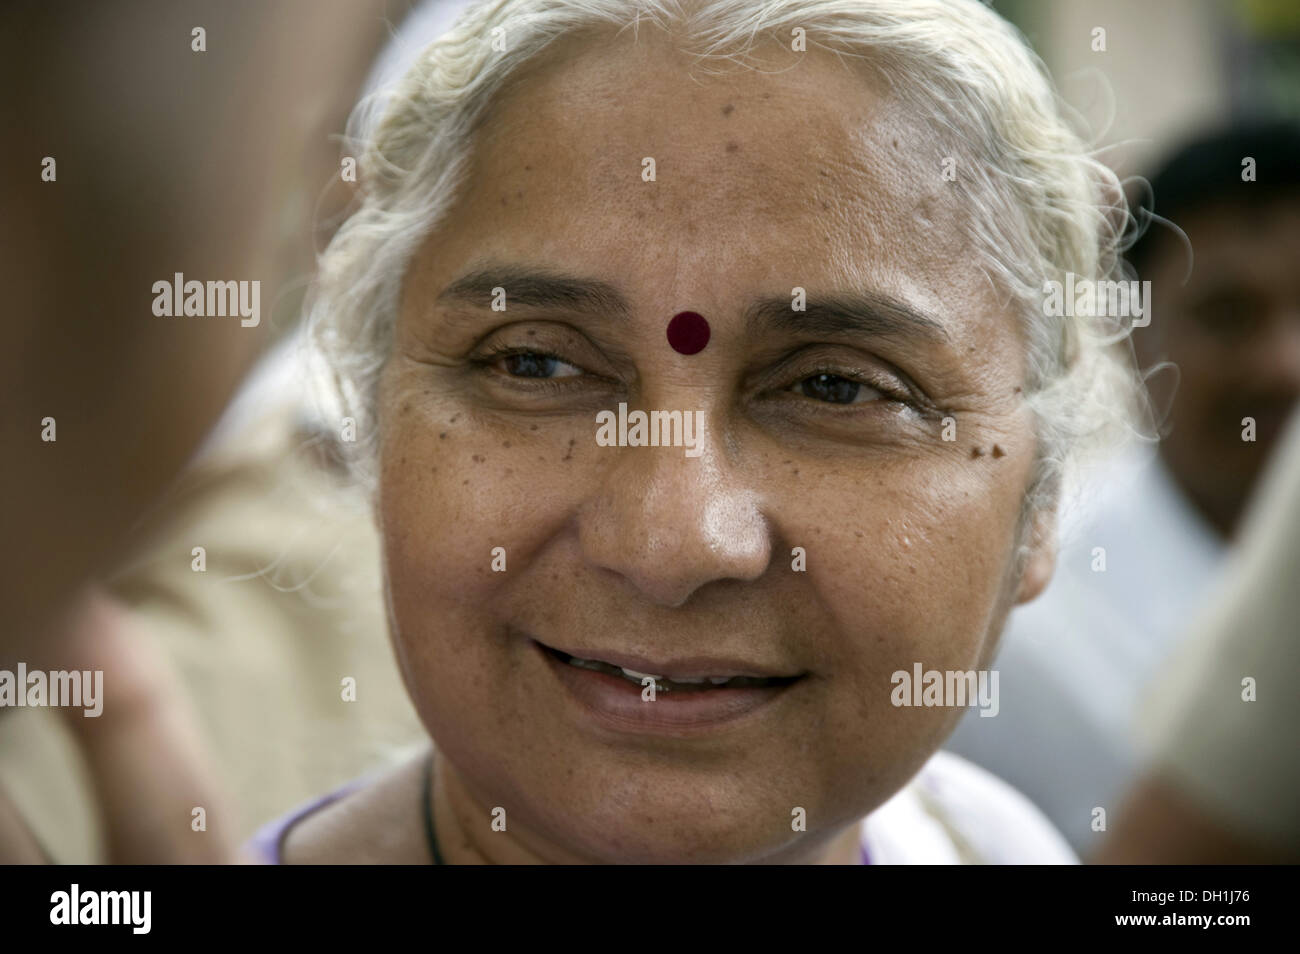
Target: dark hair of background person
[(1207, 169)]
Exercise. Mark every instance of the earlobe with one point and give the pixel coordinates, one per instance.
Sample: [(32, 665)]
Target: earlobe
[(1040, 561)]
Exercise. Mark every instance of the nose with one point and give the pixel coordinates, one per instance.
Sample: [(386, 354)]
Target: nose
[(669, 524)]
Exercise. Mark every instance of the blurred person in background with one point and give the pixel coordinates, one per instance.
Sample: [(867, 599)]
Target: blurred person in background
[(1219, 727), (1224, 344), (1226, 311), (152, 138)]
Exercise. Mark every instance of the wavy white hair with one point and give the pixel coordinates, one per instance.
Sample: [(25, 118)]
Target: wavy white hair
[(1040, 203)]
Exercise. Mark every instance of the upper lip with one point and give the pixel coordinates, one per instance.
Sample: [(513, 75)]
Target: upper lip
[(687, 667)]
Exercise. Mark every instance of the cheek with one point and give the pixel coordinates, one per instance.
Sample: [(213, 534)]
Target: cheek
[(906, 564), (465, 500), (453, 489), (911, 561)]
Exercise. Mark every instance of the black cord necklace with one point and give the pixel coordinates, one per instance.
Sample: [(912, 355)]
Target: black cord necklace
[(430, 836)]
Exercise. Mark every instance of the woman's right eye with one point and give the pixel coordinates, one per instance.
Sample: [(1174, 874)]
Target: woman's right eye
[(535, 364)]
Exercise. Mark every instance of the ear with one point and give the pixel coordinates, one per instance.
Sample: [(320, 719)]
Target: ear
[(1038, 558)]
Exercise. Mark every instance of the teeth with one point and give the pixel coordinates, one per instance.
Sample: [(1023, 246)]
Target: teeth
[(662, 682), (640, 675)]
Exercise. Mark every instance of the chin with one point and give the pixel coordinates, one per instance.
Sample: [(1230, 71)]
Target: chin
[(652, 817)]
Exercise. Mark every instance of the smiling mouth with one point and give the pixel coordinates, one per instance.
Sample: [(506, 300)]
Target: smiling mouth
[(680, 684)]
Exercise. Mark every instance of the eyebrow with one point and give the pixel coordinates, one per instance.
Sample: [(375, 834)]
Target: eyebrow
[(870, 313), (842, 313), (530, 287)]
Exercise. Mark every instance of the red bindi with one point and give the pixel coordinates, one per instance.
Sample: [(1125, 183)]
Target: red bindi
[(688, 332)]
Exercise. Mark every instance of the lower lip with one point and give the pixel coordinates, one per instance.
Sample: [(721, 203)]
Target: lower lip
[(616, 703)]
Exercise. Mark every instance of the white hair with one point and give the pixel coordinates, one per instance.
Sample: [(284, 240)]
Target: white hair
[(1039, 203)]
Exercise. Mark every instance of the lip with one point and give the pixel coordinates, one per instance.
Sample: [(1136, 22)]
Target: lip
[(693, 667), (616, 704)]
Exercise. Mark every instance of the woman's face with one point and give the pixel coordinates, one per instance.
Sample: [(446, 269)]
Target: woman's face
[(823, 429)]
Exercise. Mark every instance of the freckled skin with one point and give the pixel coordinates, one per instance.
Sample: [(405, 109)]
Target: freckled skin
[(909, 539)]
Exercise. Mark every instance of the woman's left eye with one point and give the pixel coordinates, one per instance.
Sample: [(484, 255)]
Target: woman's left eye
[(836, 389)]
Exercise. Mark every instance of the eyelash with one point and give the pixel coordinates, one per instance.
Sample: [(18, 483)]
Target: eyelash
[(498, 352), (887, 393)]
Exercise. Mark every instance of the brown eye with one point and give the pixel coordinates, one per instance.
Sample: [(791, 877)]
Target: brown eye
[(534, 364), (834, 389)]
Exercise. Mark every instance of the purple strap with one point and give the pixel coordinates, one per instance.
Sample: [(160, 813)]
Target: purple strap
[(265, 845)]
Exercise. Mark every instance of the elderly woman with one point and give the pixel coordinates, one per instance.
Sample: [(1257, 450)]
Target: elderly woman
[(699, 366)]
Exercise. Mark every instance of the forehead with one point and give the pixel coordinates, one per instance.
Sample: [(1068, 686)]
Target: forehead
[(800, 172)]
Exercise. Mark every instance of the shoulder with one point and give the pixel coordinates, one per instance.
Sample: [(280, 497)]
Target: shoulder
[(372, 820), (953, 812)]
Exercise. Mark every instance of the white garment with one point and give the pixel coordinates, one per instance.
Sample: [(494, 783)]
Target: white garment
[(955, 813), (1075, 663), (1221, 723)]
